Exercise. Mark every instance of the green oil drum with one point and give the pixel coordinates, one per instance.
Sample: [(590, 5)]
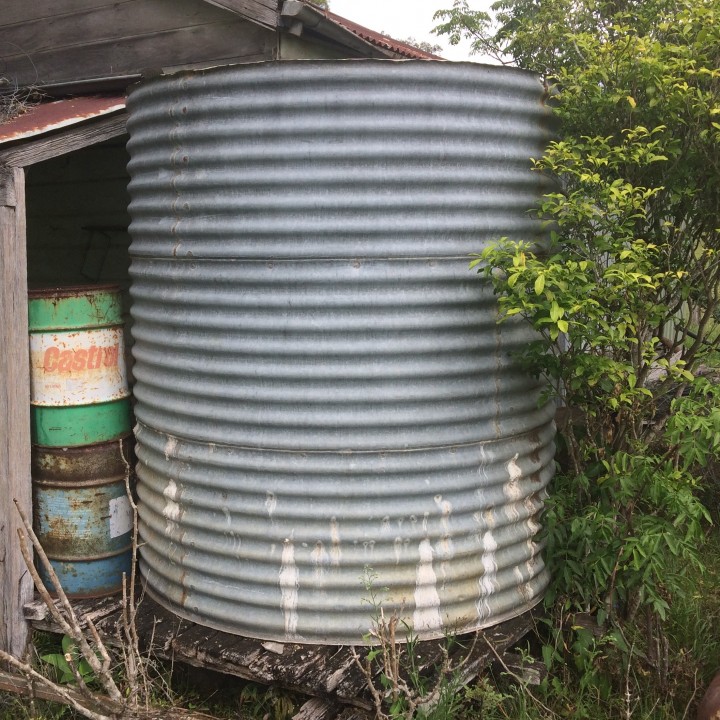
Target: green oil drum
[(78, 382), (83, 516)]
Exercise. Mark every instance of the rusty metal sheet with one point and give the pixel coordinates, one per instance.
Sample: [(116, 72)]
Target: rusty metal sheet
[(49, 116), (375, 38)]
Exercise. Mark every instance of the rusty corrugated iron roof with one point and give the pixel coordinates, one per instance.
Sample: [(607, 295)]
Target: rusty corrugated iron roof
[(378, 39), (49, 116)]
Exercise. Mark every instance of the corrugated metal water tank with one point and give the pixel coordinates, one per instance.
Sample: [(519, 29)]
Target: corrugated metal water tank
[(324, 396)]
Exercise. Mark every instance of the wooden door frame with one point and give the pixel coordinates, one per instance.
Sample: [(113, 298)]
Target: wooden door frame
[(16, 587)]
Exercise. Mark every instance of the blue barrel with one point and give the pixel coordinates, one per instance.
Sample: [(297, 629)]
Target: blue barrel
[(83, 516)]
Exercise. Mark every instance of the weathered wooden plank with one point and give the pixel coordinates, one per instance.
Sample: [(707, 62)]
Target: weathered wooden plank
[(38, 612), (473, 656), (264, 12), (328, 673), (22, 686), (300, 666), (261, 11), (112, 22), (8, 197), (350, 713), (339, 666), (21, 12), (94, 702), (65, 141), (218, 43), (532, 672), (192, 643), (156, 627), (318, 709), (15, 581)]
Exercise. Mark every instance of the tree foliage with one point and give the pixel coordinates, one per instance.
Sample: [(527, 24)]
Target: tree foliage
[(626, 299)]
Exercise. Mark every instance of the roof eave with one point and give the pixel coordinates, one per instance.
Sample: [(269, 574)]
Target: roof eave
[(299, 16)]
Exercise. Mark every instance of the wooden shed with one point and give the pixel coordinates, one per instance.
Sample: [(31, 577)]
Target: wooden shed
[(63, 178)]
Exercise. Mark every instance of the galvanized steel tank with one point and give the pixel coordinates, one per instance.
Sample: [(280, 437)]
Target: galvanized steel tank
[(323, 391)]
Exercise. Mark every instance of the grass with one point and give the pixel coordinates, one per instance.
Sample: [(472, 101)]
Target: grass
[(606, 688), (637, 693), (219, 695)]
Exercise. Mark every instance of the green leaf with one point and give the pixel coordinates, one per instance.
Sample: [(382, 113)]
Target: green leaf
[(68, 644), (548, 653), (539, 284), (58, 661)]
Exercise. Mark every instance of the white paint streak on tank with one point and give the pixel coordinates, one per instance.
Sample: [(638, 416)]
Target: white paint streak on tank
[(427, 601), (320, 560), (533, 528), (397, 548), (446, 549), (170, 447), (488, 580), (482, 469), (514, 494), (171, 511), (512, 490), (335, 551), (487, 584), (289, 585), (270, 504)]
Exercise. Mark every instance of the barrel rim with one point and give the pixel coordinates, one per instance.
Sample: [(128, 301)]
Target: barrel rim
[(62, 292)]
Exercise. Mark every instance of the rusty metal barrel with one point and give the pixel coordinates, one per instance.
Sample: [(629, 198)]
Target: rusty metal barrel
[(81, 430), (82, 514), (328, 410), (78, 381)]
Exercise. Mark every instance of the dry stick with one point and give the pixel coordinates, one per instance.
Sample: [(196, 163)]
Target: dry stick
[(628, 695), (429, 700), (464, 676), (128, 650), (99, 643), (135, 661), (366, 670), (64, 694), (692, 697), (30, 684), (79, 679), (71, 626)]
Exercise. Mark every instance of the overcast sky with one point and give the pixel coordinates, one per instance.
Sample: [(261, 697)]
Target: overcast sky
[(403, 19)]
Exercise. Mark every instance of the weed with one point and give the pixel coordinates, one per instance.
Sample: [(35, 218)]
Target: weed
[(67, 659), (403, 684)]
